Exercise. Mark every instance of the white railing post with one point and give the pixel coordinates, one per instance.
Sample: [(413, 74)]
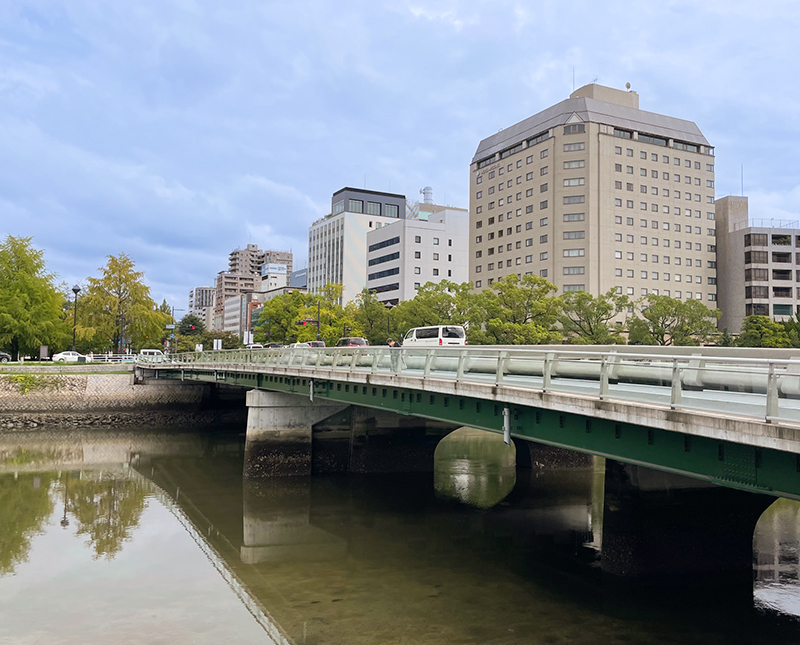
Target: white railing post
[(675, 394), (507, 425), (354, 359), (429, 356), (461, 363), (501, 365), (547, 371), (603, 377), (772, 393)]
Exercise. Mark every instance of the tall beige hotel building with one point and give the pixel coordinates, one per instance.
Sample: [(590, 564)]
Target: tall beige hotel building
[(595, 194)]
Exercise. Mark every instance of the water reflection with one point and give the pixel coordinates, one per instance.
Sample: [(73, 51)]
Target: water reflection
[(776, 553), (473, 553)]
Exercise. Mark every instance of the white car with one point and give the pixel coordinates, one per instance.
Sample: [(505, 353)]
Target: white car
[(71, 357)]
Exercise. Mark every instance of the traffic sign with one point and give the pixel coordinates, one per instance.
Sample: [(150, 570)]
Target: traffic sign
[(169, 327)]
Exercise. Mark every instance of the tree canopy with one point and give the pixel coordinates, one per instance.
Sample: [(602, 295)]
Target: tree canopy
[(669, 321), (762, 331), (586, 319), (32, 311), (117, 310)]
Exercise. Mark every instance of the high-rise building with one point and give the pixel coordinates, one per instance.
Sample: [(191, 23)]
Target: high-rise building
[(199, 299), (404, 255), (760, 259), (251, 259), (337, 243), (595, 194)]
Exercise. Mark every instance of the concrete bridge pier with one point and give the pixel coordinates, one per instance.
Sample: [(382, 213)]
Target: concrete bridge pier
[(279, 429), (665, 529)]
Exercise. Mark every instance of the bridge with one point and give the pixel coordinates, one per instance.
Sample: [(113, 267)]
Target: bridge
[(716, 428)]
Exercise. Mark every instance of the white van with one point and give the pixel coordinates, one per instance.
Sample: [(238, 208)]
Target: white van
[(150, 352), (436, 336)]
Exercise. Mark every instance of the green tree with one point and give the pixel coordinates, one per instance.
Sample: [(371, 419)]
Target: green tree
[(229, 340), (762, 331), (437, 303), (585, 319), (191, 325), (517, 312), (31, 306), (669, 321), (117, 310), (373, 317)]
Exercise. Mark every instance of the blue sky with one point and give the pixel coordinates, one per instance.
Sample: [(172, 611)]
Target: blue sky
[(178, 130)]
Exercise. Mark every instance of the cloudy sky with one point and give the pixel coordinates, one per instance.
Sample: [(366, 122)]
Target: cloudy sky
[(178, 130)]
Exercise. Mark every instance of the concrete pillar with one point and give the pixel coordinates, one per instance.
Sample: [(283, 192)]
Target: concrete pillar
[(279, 432), (668, 529)]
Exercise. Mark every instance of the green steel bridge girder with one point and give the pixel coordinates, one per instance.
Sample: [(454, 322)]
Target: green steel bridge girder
[(725, 463)]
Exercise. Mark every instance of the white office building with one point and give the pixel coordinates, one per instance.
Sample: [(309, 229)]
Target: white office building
[(404, 255)]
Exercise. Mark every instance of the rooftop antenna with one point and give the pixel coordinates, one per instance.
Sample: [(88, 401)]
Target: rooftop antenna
[(596, 78), (628, 86)]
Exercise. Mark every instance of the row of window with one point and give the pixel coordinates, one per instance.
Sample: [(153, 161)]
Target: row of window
[(762, 257), (687, 163), (777, 292), (758, 309), (762, 275), (777, 239), (666, 176), (665, 192), (668, 259), (666, 277), (373, 208)]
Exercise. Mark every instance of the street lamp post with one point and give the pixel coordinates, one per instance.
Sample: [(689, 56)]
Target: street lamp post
[(76, 290)]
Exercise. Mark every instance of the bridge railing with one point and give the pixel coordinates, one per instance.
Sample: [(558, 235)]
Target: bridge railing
[(743, 386)]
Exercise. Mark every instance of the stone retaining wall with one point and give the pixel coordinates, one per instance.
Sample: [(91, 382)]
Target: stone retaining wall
[(37, 399)]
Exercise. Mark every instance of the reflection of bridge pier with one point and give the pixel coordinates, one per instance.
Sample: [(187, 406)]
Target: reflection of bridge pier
[(277, 524)]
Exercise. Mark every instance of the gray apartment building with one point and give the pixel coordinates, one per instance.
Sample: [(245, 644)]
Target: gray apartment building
[(595, 194), (758, 264)]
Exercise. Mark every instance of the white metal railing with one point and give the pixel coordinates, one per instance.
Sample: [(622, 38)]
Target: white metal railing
[(740, 386)]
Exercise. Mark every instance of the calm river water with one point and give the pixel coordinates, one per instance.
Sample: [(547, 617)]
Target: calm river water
[(153, 537)]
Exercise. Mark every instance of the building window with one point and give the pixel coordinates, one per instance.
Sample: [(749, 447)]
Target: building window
[(436, 272), (543, 221), (574, 253), (373, 208), (543, 255), (575, 128), (338, 207), (575, 199), (574, 235), (574, 270), (543, 188), (580, 164), (574, 147), (542, 205), (417, 239), (577, 181)]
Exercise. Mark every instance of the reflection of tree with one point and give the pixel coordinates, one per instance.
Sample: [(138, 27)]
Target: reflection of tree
[(106, 511), (24, 508)]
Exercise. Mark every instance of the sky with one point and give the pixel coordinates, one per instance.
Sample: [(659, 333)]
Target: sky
[(176, 131)]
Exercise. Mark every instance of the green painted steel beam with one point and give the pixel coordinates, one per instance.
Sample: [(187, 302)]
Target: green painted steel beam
[(759, 470)]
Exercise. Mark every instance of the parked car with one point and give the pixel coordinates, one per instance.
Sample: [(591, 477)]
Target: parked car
[(5, 357), (317, 343), (274, 345), (299, 345), (71, 357), (254, 346), (352, 341)]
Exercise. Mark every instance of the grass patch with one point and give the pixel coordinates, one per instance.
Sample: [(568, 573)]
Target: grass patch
[(25, 383)]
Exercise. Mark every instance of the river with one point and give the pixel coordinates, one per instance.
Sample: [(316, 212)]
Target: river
[(154, 537)]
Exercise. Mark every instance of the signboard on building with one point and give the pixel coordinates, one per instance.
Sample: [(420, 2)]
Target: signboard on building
[(274, 269)]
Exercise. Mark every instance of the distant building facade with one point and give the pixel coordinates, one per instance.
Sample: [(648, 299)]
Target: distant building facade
[(299, 278), (760, 260), (201, 298), (337, 243), (251, 259), (595, 194), (404, 255)]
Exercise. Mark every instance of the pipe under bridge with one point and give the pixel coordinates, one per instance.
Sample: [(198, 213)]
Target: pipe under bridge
[(699, 440)]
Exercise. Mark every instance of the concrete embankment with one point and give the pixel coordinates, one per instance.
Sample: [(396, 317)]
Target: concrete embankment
[(32, 397)]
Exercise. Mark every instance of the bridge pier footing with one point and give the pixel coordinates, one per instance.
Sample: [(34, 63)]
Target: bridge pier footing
[(663, 529), (278, 441)]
